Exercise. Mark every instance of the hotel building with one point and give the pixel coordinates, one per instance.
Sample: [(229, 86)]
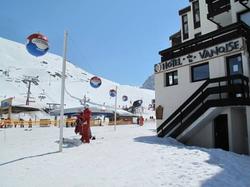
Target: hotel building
[(202, 81)]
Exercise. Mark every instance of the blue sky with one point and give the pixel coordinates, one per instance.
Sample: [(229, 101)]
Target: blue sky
[(115, 39)]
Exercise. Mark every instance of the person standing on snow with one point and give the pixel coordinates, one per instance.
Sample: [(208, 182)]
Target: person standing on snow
[(83, 125), (86, 130)]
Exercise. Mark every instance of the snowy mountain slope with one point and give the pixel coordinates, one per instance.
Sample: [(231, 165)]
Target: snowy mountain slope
[(17, 63), (149, 83)]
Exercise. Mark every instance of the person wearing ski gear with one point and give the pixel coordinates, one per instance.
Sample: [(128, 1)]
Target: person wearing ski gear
[(86, 130), (83, 125)]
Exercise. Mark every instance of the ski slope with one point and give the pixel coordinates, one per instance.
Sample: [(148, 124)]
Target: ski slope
[(17, 63)]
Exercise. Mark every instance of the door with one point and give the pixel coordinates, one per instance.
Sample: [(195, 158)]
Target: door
[(221, 132)]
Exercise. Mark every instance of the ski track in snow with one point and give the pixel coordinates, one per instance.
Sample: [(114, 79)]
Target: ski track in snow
[(130, 156)]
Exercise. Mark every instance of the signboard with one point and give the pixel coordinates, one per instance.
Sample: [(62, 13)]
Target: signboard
[(159, 112), (137, 103), (201, 55), (6, 103), (95, 82), (37, 44), (124, 98), (112, 93)]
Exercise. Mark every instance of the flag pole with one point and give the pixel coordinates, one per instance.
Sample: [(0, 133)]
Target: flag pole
[(63, 90), (115, 107)]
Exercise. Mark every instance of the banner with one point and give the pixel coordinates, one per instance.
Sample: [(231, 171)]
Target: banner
[(6, 103), (95, 82), (112, 93)]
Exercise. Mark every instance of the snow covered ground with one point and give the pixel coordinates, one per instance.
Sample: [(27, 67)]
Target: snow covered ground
[(130, 156)]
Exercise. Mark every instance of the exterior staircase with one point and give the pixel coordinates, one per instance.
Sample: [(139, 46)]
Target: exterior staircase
[(205, 104)]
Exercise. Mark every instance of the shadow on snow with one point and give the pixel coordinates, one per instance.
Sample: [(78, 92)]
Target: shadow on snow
[(235, 170), (27, 157), (69, 143)]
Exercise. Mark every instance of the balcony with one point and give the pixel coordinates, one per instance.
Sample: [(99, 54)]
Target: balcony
[(219, 11), (216, 37), (216, 7)]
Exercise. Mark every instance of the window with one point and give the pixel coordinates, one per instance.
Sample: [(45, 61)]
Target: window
[(196, 14), (185, 26), (245, 17), (200, 72), (171, 78), (234, 65)]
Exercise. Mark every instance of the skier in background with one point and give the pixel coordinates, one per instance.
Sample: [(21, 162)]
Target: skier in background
[(30, 123)]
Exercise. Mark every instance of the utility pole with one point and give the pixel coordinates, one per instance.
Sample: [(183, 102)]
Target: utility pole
[(115, 107), (28, 93), (63, 90), (28, 80)]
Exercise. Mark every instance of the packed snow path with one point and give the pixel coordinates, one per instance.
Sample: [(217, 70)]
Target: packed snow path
[(130, 156)]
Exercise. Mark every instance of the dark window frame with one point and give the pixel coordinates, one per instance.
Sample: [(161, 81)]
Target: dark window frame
[(197, 24), (172, 73), (234, 56), (184, 34), (192, 72)]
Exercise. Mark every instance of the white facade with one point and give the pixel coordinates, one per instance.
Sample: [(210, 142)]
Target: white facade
[(221, 53)]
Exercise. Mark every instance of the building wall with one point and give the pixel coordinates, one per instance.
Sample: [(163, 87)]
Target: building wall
[(206, 25), (238, 130), (236, 8), (172, 97), (204, 137)]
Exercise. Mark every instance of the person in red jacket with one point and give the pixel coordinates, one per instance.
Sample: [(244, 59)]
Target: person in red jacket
[(83, 125), (86, 127), (141, 120)]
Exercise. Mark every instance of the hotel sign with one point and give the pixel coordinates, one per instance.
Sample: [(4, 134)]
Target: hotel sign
[(168, 64), (205, 54), (217, 50)]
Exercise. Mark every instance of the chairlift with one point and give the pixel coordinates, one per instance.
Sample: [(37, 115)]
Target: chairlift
[(25, 82), (35, 83)]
